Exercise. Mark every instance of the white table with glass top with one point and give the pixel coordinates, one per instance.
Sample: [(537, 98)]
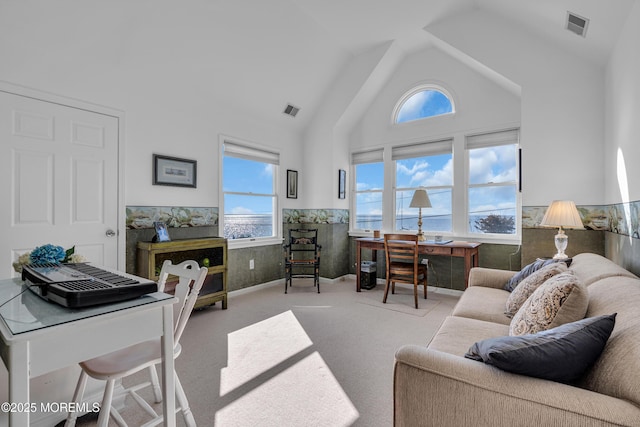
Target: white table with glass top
[(38, 336)]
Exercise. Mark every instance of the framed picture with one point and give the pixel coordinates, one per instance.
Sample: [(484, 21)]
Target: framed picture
[(342, 177), (162, 233), (292, 184), (174, 171)]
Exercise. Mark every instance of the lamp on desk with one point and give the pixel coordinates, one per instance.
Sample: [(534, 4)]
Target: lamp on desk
[(420, 200), (562, 213)]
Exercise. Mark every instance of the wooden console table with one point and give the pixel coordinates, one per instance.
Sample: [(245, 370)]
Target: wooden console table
[(466, 250), (210, 252)]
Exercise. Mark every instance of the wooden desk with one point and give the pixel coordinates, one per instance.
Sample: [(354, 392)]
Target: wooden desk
[(466, 250), (37, 337)]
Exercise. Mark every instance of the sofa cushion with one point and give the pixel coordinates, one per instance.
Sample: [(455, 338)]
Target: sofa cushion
[(529, 284), (559, 354), (482, 303), (529, 269), (591, 268), (457, 334), (559, 300), (617, 371)]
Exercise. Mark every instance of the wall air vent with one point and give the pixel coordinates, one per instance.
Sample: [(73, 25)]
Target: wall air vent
[(577, 24), (291, 110)]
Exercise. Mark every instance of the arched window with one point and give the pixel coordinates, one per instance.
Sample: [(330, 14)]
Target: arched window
[(423, 102)]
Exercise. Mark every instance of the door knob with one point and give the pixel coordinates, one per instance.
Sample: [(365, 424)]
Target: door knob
[(110, 233)]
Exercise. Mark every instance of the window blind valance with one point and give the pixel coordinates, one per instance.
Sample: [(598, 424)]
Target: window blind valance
[(247, 152), (431, 148), (371, 156), (505, 137)]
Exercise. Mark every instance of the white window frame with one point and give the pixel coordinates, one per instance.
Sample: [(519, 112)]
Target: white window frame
[(250, 151), (422, 149), (493, 139), (415, 90), (357, 158), (460, 191)]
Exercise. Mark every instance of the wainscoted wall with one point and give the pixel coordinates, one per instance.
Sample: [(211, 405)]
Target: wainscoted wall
[(333, 235), (448, 272), (610, 230), (182, 222), (189, 223)]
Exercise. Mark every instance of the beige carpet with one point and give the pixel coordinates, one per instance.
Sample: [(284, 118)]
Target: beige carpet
[(401, 301), (301, 359)]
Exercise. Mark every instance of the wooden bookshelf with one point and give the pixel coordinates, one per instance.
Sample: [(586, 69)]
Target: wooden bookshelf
[(210, 252)]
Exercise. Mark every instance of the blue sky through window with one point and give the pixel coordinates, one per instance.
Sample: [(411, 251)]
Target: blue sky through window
[(423, 104), (427, 171), (489, 169), (247, 176)]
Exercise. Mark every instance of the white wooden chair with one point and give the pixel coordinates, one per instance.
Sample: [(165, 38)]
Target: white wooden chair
[(122, 363)]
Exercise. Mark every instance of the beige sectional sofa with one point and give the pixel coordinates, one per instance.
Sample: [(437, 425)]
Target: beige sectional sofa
[(436, 385)]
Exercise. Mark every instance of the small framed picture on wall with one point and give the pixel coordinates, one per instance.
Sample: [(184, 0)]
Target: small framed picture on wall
[(292, 184), (174, 171), (342, 184)]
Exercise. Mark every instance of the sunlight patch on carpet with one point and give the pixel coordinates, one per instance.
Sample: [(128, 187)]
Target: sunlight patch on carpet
[(305, 394), (277, 385), (259, 347)]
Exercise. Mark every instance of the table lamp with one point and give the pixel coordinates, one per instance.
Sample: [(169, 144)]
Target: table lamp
[(562, 213), (420, 200)]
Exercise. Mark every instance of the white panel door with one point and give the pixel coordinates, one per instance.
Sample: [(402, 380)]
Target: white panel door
[(59, 174)]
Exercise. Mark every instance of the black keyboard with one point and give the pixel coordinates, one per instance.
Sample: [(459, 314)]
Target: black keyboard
[(82, 285)]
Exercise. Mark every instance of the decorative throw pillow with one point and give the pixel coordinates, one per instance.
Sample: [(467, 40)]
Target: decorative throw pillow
[(527, 270), (530, 284), (560, 354), (561, 299)]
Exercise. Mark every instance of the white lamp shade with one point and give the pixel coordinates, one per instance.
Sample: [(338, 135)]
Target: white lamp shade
[(562, 213), (420, 199)]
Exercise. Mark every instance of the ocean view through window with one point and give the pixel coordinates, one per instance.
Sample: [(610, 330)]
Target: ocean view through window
[(428, 166), (249, 192), (368, 170), (492, 195)]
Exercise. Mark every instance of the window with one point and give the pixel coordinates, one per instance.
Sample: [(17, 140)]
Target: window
[(423, 102), (493, 182), (368, 171), (430, 166), (250, 192)]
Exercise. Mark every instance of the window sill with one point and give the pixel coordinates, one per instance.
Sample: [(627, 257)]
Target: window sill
[(250, 243)]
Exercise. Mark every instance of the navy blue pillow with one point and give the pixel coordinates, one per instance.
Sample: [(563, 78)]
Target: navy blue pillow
[(560, 354), (531, 268)]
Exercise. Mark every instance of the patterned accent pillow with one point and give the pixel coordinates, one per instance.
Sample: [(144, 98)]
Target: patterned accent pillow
[(531, 268), (530, 284), (561, 299)]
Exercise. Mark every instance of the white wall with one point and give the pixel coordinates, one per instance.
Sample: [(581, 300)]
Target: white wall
[(622, 128), (182, 75), (480, 103), (326, 147), (562, 105)]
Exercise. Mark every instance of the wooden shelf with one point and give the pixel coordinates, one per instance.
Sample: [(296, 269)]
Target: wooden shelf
[(209, 251)]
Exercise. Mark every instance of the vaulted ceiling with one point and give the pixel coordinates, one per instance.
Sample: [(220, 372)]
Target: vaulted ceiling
[(260, 55)]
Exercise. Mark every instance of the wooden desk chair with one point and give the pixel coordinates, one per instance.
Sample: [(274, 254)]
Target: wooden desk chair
[(403, 264), (302, 256), (122, 363)]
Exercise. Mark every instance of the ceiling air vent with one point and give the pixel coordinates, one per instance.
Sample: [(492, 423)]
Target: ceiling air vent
[(291, 110), (577, 24)]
